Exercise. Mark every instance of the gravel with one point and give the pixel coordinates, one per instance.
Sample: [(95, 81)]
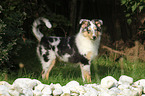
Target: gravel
[(109, 86)]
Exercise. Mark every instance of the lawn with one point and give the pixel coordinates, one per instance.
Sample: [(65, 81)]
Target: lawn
[(63, 72)]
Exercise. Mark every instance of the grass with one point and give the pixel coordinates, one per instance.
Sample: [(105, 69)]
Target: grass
[(64, 72)]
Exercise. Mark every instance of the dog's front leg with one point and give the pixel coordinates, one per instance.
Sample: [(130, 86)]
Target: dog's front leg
[(86, 73)]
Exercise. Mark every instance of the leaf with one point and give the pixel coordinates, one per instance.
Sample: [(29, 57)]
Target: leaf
[(140, 8), (129, 21), (123, 2), (134, 7), (127, 15), (12, 8)]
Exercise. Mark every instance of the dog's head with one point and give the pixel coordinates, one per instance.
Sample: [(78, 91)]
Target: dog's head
[(91, 29)]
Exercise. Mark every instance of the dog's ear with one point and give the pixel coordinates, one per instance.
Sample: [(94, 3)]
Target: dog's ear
[(97, 22), (83, 20), (84, 23)]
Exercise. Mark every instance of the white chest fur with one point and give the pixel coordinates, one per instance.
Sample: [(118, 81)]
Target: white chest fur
[(86, 45)]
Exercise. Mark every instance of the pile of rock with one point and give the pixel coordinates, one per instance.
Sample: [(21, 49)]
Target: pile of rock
[(109, 87)]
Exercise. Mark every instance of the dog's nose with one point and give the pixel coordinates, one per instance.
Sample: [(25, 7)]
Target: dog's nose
[(94, 37)]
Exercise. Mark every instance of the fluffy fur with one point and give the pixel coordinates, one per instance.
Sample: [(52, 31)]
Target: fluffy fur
[(80, 49)]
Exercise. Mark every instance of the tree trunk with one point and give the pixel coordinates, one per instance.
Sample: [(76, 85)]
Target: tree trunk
[(73, 11), (80, 14)]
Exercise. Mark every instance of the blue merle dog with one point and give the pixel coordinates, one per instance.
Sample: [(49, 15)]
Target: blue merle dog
[(80, 49)]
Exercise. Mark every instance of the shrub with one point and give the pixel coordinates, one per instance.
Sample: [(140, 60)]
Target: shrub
[(10, 32)]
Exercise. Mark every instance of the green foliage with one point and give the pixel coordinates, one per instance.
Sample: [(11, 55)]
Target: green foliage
[(59, 20), (10, 31), (132, 7), (15, 15)]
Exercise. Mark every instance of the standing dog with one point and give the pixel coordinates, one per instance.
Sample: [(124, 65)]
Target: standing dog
[(80, 49)]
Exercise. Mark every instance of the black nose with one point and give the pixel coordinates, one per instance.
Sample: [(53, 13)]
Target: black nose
[(94, 37)]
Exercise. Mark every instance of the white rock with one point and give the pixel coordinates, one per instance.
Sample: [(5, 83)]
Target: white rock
[(46, 95), (112, 93), (143, 90), (108, 87), (140, 82), (3, 88), (28, 92), (82, 89), (72, 94), (126, 80), (108, 82), (90, 91), (138, 89), (65, 89), (57, 92), (57, 86), (4, 91), (67, 94), (6, 84), (37, 93), (52, 86), (37, 81), (47, 90), (32, 83), (104, 94), (14, 92), (122, 87), (115, 89), (39, 87), (128, 92), (72, 84), (95, 86), (20, 84)]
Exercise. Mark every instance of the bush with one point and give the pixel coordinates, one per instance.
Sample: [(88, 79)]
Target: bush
[(132, 7), (15, 18), (10, 32)]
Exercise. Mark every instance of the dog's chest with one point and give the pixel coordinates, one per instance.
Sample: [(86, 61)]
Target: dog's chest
[(86, 47)]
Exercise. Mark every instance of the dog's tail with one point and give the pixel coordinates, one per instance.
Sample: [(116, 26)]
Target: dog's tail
[(35, 28)]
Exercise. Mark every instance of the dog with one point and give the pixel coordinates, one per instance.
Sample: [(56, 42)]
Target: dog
[(80, 49)]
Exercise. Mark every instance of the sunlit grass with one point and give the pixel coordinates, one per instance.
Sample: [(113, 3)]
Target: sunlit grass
[(64, 72)]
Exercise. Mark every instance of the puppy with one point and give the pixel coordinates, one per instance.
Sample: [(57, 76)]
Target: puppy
[(80, 49)]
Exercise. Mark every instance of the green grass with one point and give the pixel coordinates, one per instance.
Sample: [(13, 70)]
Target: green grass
[(64, 72)]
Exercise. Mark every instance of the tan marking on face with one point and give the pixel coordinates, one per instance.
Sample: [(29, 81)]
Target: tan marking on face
[(84, 24), (98, 23), (89, 29), (88, 35)]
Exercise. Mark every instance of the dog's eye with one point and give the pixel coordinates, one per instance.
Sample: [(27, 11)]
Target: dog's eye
[(95, 29), (89, 30)]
